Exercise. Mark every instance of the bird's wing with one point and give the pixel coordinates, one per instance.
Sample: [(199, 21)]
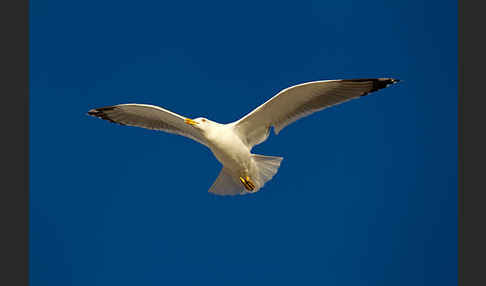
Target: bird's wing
[(148, 116), (301, 100)]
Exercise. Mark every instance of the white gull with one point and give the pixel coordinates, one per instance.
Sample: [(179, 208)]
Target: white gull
[(244, 172)]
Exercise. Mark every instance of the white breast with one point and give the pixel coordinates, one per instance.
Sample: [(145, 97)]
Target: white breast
[(228, 148)]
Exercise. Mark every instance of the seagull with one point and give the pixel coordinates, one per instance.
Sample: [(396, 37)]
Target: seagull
[(243, 172)]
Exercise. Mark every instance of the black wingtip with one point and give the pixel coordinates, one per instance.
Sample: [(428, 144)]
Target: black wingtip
[(393, 80), (377, 83), (389, 80), (101, 113), (380, 83), (92, 112)]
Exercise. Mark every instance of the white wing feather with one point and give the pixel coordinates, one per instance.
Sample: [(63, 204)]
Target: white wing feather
[(301, 100), (148, 116)]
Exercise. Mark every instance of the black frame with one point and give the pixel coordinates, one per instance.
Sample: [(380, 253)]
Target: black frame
[(14, 199), (471, 155)]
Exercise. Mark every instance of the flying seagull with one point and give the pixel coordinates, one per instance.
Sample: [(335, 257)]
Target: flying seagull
[(244, 172)]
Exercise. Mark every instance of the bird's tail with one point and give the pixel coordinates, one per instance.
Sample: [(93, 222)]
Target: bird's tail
[(226, 185), (266, 168)]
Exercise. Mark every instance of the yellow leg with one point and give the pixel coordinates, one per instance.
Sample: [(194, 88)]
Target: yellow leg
[(250, 183), (247, 183)]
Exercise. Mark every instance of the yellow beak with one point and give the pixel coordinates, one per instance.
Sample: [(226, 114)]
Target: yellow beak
[(190, 121)]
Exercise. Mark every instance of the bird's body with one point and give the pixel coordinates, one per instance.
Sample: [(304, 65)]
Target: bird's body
[(228, 148), (244, 172)]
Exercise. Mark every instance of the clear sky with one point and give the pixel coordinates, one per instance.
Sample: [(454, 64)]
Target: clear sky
[(367, 191)]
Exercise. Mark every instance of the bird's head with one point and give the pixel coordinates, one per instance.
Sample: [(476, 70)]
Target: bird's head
[(199, 123)]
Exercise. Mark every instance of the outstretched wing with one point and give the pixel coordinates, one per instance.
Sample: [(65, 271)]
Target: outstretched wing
[(148, 116), (301, 100)]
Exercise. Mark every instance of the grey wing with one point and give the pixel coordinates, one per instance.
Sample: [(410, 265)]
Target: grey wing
[(301, 100), (148, 116)]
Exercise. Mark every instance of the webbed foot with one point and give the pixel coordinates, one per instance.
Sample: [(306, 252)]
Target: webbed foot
[(247, 183)]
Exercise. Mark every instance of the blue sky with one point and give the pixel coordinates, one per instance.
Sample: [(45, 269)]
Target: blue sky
[(366, 194)]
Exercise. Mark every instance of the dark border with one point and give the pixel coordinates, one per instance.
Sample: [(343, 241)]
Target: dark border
[(472, 144), (14, 118)]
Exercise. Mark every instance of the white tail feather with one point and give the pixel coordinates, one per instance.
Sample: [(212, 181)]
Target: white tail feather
[(228, 185), (267, 168), (225, 185)]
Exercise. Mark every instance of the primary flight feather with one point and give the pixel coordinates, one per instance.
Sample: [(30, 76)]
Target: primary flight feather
[(244, 172)]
